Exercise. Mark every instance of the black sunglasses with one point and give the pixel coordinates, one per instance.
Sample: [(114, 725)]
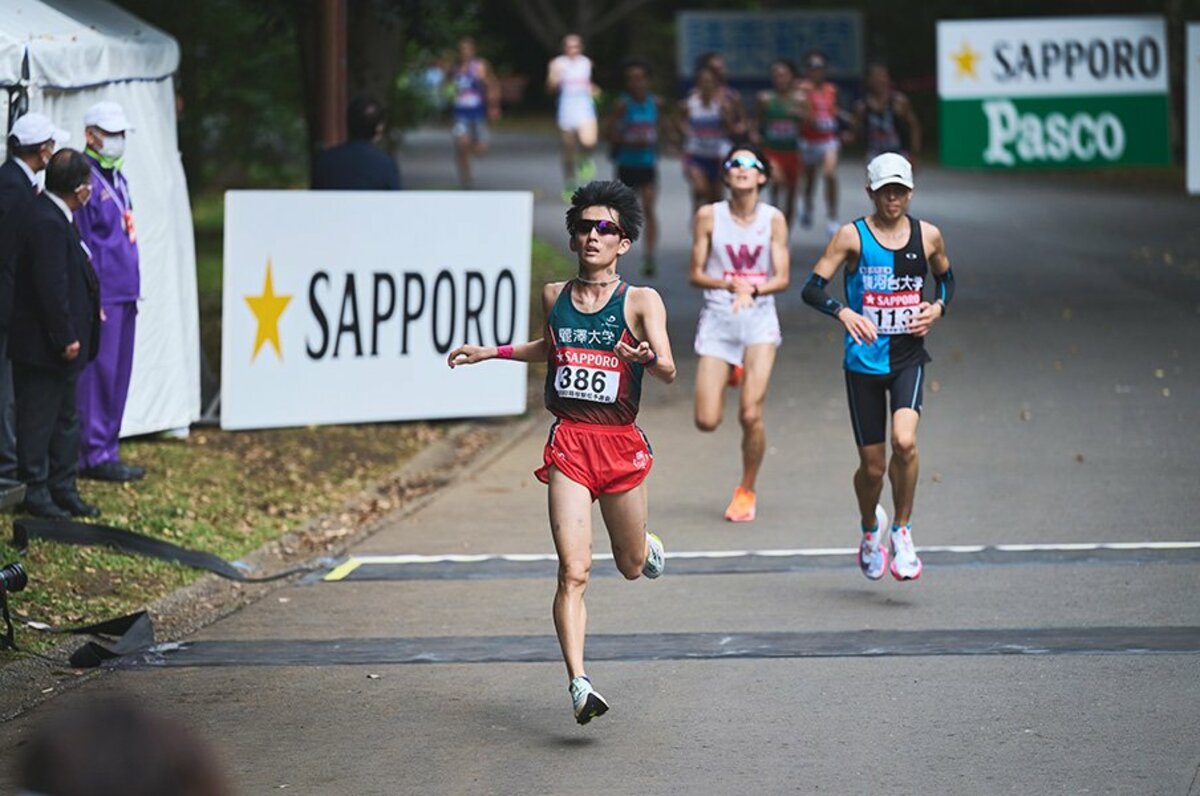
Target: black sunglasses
[(603, 226)]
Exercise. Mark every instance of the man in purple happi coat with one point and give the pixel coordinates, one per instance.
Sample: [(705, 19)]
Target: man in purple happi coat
[(107, 228)]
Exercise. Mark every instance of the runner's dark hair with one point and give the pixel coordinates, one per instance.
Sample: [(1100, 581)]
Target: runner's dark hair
[(634, 62), (745, 145), (787, 63), (613, 194)]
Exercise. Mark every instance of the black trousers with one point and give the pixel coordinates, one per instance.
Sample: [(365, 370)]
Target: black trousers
[(47, 431), (8, 427)]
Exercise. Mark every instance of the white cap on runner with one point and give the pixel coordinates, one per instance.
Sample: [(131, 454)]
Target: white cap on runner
[(888, 168)]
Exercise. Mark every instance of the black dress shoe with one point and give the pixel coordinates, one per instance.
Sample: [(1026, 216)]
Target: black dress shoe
[(114, 470), (45, 509), (74, 504)]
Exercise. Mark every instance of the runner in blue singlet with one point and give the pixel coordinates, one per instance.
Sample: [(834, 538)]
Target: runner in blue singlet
[(888, 257), (476, 100)]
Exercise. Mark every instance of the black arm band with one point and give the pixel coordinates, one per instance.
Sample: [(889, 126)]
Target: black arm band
[(815, 296), (945, 288)]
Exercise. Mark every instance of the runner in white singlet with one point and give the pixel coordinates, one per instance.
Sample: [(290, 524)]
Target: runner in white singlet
[(740, 259), (570, 76)]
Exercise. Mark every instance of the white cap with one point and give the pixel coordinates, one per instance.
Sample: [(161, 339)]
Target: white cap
[(34, 128), (108, 116), (889, 168)]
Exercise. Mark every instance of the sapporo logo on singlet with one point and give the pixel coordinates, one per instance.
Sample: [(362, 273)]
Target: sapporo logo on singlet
[(889, 301), (587, 375)]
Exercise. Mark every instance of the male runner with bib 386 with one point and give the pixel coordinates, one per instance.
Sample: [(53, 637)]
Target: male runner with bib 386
[(602, 335), (740, 259), (888, 256)]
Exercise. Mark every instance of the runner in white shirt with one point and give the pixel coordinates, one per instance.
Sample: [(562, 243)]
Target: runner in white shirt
[(570, 76), (740, 259)]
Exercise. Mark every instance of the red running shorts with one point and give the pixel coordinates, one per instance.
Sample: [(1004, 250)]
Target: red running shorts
[(605, 459)]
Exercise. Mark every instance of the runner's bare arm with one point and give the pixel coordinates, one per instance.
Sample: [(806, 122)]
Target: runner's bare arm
[(553, 79), (532, 351), (781, 263), (493, 89), (612, 122), (905, 110), (844, 248), (939, 266), (649, 322), (702, 228)]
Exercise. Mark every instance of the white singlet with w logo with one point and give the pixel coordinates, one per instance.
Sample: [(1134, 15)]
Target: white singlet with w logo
[(739, 252)]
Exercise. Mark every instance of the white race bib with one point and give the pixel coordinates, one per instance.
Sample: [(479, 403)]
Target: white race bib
[(892, 313), (587, 375)]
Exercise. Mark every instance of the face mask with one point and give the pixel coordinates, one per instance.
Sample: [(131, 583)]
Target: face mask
[(113, 147)]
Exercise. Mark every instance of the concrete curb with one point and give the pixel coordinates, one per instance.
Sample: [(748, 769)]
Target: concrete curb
[(30, 681)]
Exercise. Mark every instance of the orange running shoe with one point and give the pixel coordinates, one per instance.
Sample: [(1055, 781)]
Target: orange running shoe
[(741, 508), (735, 376)]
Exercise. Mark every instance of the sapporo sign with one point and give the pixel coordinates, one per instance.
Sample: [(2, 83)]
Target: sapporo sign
[(341, 306), (1053, 92)]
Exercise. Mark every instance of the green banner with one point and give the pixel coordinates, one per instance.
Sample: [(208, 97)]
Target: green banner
[(1055, 132)]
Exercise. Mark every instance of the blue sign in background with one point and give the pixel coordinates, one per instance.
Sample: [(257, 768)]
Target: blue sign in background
[(751, 40)]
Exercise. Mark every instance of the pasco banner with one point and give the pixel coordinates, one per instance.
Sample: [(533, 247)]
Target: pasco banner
[(1053, 92), (341, 307)]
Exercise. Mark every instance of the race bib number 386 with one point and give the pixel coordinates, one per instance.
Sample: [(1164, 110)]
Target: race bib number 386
[(892, 312), (587, 375)]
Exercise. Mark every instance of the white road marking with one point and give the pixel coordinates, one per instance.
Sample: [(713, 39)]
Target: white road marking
[(354, 562)]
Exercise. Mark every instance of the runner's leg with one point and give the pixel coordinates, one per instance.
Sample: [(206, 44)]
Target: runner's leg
[(712, 374), (625, 517), (588, 133), (868, 480), (829, 173), (758, 361), (810, 185), (462, 159), (649, 193), (568, 139), (571, 527), (698, 183), (904, 468)]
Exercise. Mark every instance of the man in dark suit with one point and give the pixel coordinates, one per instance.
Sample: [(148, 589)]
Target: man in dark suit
[(358, 164), (54, 332), (31, 142)]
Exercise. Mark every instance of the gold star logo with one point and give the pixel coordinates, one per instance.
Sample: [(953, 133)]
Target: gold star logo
[(964, 62), (267, 308)]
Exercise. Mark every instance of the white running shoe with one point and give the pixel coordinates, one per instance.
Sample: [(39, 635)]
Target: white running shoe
[(586, 701), (905, 564), (656, 557), (872, 554)]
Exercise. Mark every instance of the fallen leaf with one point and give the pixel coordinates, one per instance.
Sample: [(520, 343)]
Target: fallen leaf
[(935, 386), (1159, 373), (1079, 458), (1026, 414), (1166, 392)]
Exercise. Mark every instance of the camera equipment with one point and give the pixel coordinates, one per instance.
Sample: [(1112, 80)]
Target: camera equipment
[(13, 577)]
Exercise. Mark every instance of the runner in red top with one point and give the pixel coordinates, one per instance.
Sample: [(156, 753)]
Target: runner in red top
[(819, 139), (602, 335)]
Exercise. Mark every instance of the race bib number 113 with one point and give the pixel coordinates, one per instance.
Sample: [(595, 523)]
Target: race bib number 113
[(892, 312)]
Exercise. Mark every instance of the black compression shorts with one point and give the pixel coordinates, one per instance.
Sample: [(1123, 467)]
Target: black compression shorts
[(868, 395)]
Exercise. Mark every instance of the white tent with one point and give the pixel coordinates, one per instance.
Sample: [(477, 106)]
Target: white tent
[(67, 55)]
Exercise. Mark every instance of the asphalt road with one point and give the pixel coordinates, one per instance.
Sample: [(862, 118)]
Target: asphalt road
[(1062, 407)]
